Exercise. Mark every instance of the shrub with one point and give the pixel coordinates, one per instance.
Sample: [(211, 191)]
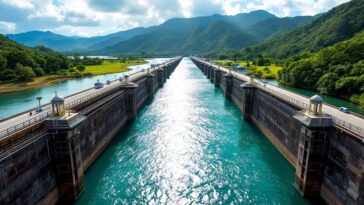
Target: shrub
[(7, 74), (71, 70), (25, 73), (81, 68)]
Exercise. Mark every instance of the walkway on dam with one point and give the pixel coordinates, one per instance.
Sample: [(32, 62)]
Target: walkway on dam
[(23, 120), (344, 120)]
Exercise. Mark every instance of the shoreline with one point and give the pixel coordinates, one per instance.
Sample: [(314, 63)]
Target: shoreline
[(52, 79)]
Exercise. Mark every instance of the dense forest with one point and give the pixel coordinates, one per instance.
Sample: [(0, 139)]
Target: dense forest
[(21, 63), (337, 70), (18, 62), (339, 24)]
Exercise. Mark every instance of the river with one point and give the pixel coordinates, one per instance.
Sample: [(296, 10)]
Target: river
[(190, 145), (13, 103)]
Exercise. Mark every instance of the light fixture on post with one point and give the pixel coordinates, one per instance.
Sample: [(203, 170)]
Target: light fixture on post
[(39, 108)]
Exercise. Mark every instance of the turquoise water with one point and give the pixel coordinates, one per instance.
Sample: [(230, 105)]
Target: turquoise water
[(11, 104), (190, 145)]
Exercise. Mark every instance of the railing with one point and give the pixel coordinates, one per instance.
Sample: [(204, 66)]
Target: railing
[(348, 126), (284, 97), (340, 123), (24, 124), (92, 95), (69, 105)]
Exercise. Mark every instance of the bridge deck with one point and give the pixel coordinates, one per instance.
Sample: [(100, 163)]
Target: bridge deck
[(347, 121), (24, 120)]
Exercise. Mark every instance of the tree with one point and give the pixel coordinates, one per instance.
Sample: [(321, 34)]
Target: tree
[(24, 73), (39, 71), (7, 74), (81, 68), (3, 63), (326, 84)]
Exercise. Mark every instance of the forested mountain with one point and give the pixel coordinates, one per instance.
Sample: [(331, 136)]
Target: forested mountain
[(270, 27), (18, 62), (175, 36), (339, 24), (64, 43), (337, 70), (217, 35), (203, 34)]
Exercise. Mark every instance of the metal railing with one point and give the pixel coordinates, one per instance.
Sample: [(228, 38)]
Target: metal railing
[(24, 124), (39, 118), (340, 123)]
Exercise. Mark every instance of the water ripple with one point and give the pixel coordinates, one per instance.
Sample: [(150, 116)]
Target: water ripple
[(190, 146)]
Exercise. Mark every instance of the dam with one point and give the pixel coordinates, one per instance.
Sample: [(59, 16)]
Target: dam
[(221, 139)]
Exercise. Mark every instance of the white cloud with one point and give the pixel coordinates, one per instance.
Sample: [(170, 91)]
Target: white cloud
[(98, 17), (7, 26)]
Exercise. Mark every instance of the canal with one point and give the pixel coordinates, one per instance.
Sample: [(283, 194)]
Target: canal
[(13, 103), (190, 145)]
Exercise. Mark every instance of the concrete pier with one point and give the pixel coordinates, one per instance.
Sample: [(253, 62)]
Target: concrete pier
[(43, 160), (326, 148)]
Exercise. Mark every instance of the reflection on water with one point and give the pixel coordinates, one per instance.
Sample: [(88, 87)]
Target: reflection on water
[(14, 103), (189, 145)]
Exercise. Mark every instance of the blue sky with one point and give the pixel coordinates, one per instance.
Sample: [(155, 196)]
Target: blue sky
[(99, 17)]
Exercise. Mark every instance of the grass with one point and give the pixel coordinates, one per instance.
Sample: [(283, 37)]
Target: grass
[(269, 72), (108, 66)]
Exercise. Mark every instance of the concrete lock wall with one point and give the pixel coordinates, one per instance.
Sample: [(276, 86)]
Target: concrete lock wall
[(43, 166), (342, 177)]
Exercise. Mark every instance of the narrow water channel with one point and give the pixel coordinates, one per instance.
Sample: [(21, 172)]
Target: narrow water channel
[(190, 145)]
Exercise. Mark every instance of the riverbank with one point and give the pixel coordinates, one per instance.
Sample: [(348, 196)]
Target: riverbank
[(107, 67), (268, 72)]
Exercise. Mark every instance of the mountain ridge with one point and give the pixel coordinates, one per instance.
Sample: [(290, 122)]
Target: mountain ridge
[(173, 29)]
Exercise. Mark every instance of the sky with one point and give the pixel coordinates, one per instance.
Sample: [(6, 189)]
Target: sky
[(100, 17)]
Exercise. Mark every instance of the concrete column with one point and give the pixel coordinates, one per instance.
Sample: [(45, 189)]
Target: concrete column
[(160, 77), (150, 83), (64, 146), (211, 74), (248, 100), (311, 152), (165, 74), (217, 75), (228, 84), (131, 105)]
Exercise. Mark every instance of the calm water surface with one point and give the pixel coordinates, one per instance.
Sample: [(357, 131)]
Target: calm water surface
[(11, 104), (189, 145)]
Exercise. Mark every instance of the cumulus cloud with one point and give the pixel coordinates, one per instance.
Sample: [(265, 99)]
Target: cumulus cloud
[(98, 17), (7, 26)]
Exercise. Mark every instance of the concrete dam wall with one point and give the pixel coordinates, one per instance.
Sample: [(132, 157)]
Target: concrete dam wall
[(329, 159), (44, 163)]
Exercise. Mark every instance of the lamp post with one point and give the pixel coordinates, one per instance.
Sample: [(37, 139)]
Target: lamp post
[(39, 109)]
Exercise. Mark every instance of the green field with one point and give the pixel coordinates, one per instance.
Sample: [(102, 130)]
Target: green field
[(110, 66), (269, 72)]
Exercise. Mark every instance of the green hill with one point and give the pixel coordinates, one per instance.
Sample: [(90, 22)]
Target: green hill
[(68, 44), (339, 24), (217, 35), (205, 34), (337, 70), (18, 62)]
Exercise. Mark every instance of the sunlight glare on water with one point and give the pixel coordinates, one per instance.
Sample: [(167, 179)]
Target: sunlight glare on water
[(190, 145)]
